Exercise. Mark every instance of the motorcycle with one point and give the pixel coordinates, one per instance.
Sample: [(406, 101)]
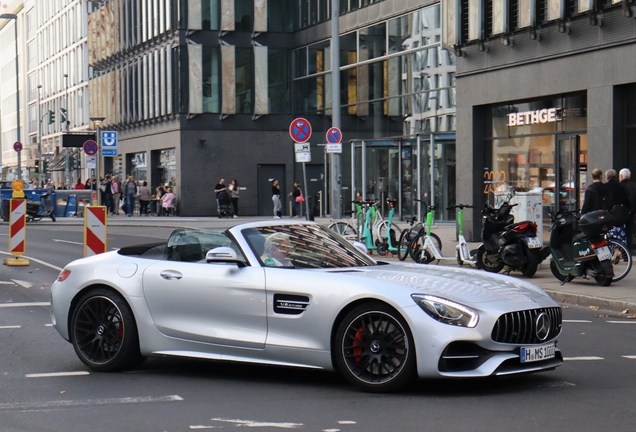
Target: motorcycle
[(584, 251), (36, 210), (506, 243)]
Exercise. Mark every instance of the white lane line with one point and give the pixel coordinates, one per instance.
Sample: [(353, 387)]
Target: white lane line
[(48, 325), (72, 403), (6, 283), (346, 422), (621, 322), (54, 267), (23, 284), (588, 358), (10, 327), (577, 321), (558, 384), (56, 374), (9, 305), (631, 357), (197, 427), (67, 241), (331, 430), (252, 423)]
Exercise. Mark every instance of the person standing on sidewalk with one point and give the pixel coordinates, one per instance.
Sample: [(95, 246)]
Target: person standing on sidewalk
[(144, 199), (596, 194), (234, 196), (295, 201), (278, 206), (630, 190), (130, 189), (116, 186), (220, 187), (616, 197)]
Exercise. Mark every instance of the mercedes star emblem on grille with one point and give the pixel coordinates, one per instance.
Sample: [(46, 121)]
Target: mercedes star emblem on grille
[(542, 325)]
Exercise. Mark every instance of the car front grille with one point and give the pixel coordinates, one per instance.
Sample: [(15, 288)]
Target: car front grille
[(521, 327)]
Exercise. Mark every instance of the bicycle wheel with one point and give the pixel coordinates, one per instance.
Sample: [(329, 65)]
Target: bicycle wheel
[(380, 229), (344, 229), (415, 247), (403, 245), (621, 259)]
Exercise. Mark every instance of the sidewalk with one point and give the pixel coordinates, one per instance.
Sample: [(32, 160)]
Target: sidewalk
[(617, 297)]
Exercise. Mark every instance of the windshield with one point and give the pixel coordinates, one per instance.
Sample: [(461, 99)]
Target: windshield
[(192, 245), (303, 246)]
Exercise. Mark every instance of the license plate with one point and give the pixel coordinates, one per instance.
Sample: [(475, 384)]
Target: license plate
[(534, 242), (537, 353), (603, 253)]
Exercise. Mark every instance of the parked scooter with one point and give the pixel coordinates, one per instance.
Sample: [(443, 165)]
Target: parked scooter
[(584, 251), (506, 243), (38, 210)]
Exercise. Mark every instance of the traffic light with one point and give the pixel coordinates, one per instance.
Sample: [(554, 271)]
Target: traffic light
[(71, 163), (51, 117), (63, 116), (45, 166), (37, 166)]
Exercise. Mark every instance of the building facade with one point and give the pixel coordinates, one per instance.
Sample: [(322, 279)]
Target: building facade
[(545, 95), (204, 89)]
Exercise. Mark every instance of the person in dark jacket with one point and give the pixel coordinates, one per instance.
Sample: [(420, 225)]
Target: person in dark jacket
[(617, 196), (596, 194), (630, 190)]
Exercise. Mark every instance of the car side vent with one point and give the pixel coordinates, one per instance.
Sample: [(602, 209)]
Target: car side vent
[(289, 304)]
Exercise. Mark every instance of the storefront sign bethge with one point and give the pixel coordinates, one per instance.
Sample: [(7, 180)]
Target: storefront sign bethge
[(546, 115)]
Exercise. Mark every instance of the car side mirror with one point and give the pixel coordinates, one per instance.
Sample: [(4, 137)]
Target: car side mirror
[(223, 254)]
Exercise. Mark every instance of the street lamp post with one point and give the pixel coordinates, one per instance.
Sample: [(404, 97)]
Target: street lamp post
[(334, 158), (41, 168), (97, 121), (17, 86), (67, 167)]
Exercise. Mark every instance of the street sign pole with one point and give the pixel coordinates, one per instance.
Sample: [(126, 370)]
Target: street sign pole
[(306, 196), (334, 158)]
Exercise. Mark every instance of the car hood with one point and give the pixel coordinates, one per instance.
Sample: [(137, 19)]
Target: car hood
[(464, 285)]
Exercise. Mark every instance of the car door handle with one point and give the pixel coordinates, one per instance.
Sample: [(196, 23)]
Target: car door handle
[(170, 274)]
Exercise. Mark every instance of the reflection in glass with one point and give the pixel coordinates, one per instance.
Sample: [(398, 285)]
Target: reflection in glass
[(210, 14), (211, 73), (244, 80), (348, 49), (372, 42), (243, 15), (401, 33), (318, 56), (277, 76)]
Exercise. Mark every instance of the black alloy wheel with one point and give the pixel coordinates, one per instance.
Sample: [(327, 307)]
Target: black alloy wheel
[(104, 333), (374, 348)]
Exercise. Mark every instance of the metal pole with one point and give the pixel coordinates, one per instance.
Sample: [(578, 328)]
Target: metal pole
[(432, 144), (40, 171), (306, 191), (98, 160), (67, 162), (17, 96), (419, 178), (335, 171)]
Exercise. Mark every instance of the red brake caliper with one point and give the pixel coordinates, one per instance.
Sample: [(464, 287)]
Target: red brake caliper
[(357, 350)]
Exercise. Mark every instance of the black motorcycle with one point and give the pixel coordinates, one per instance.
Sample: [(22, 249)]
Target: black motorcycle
[(36, 210), (506, 243)]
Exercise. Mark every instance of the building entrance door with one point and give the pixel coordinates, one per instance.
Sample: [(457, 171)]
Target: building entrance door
[(567, 180), (267, 173)]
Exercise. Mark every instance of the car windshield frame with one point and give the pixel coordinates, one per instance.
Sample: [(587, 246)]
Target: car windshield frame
[(311, 247), (196, 243)]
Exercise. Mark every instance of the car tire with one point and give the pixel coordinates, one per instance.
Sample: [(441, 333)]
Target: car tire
[(374, 348), (104, 333)]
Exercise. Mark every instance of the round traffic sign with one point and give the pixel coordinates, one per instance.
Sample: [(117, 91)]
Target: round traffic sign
[(90, 147), (300, 130), (17, 146), (334, 136)]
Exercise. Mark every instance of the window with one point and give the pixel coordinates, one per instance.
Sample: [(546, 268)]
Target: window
[(244, 80), (211, 73)]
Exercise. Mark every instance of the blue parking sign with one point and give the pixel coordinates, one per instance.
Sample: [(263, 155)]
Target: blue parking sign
[(109, 143)]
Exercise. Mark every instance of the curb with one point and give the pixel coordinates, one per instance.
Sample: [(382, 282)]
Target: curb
[(584, 300)]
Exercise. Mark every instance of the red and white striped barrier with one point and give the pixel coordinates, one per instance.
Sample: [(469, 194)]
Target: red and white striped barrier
[(95, 230), (17, 227)]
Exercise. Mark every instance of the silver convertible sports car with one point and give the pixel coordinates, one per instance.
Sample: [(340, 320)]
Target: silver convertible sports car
[(296, 294)]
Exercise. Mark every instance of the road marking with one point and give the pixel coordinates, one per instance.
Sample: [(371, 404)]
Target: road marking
[(558, 384), (48, 325), (23, 284), (71, 403), (331, 430), (54, 267), (252, 423), (589, 358), (8, 305), (67, 241), (621, 322), (631, 357), (347, 422), (6, 283), (577, 321), (10, 327), (56, 374)]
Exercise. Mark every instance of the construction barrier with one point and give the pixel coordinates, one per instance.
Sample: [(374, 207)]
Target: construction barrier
[(17, 226), (95, 230)]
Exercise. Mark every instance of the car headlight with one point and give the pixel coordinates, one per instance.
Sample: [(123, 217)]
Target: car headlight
[(446, 311)]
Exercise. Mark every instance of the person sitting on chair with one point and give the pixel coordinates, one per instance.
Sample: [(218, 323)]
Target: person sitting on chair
[(277, 250)]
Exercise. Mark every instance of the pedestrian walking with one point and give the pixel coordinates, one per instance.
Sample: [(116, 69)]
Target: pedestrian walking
[(297, 198), (596, 194), (630, 190), (278, 206), (234, 196), (144, 199), (130, 189), (617, 197), (107, 189), (116, 187)]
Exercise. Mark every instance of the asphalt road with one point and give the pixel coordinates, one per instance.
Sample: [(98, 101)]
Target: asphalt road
[(594, 390)]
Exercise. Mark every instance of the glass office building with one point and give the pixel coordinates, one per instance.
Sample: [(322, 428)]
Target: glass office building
[(545, 95), (205, 89)]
